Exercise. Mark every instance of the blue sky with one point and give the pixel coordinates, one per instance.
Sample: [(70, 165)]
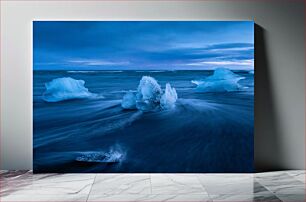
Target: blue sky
[(143, 45)]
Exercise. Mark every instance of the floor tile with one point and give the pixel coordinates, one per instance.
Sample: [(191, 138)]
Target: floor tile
[(230, 197), (236, 198), (15, 180), (183, 198), (286, 186), (282, 183), (265, 198), (43, 198), (121, 184), (260, 189), (291, 197), (3, 171), (298, 175), (272, 175), (149, 198), (175, 184), (245, 198), (14, 175), (236, 184), (48, 184)]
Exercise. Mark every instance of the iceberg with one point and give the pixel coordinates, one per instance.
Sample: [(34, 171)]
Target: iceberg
[(65, 88), (149, 96), (222, 80), (251, 72), (169, 98), (129, 101)]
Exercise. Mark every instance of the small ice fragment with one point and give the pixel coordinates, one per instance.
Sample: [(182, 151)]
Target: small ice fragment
[(169, 98), (129, 101)]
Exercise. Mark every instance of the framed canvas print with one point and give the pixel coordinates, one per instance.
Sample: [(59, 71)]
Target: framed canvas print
[(143, 96)]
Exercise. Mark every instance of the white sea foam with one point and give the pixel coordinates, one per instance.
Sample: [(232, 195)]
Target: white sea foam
[(66, 88), (93, 71), (81, 71), (114, 155), (222, 80), (112, 71), (152, 71)]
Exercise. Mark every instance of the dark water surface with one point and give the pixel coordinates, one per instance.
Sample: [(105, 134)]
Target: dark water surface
[(205, 132)]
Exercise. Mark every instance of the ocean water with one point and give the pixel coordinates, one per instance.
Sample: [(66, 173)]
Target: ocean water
[(204, 132)]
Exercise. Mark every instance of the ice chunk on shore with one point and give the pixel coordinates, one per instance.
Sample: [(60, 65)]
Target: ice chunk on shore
[(112, 156), (129, 101), (65, 88), (222, 80), (169, 98), (149, 89), (149, 96)]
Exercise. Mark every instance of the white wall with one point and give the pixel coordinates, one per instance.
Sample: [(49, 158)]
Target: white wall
[(279, 78)]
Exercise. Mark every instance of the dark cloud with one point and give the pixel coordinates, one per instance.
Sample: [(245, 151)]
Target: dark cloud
[(57, 45)]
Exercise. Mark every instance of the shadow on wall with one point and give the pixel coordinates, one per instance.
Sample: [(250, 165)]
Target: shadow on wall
[(267, 148)]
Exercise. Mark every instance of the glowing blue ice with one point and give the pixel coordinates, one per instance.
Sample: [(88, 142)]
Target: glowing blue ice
[(169, 98), (65, 88), (222, 80), (149, 96), (129, 101)]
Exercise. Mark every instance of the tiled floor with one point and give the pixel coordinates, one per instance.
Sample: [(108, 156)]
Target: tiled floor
[(273, 186)]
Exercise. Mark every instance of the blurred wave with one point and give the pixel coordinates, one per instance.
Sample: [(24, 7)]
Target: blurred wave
[(205, 132)]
